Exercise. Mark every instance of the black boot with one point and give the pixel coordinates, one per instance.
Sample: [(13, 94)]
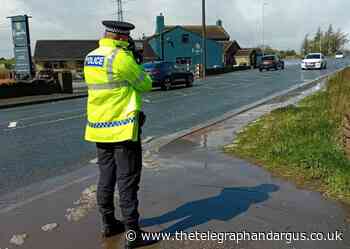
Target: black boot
[(111, 226), (134, 239)]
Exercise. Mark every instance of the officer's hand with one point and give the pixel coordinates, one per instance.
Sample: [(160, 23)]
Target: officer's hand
[(137, 55), (132, 46)]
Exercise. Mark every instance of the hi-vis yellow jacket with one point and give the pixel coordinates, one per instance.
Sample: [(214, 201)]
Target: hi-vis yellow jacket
[(115, 83)]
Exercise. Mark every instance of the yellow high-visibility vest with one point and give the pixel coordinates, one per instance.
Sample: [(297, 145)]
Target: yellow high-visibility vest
[(115, 83)]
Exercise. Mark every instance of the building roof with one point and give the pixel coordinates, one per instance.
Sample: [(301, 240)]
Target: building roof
[(63, 50), (247, 51), (66, 50), (148, 52), (228, 44), (214, 32)]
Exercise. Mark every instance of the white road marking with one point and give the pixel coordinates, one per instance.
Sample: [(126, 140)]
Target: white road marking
[(12, 125), (94, 161), (47, 122), (48, 115)]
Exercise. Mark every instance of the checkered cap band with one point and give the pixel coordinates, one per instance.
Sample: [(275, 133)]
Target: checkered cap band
[(118, 31)]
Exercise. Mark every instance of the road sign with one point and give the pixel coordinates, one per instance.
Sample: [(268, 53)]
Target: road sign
[(22, 50)]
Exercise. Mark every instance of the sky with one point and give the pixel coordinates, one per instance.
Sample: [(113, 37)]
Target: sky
[(285, 21)]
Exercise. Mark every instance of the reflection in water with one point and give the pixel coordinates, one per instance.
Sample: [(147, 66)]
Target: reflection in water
[(118, 242), (230, 203), (112, 243)]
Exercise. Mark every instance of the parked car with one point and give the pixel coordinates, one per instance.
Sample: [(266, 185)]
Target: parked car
[(46, 74), (339, 55), (314, 61), (271, 62), (168, 74)]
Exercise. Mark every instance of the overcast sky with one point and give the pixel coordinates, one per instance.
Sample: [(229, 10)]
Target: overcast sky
[(286, 21)]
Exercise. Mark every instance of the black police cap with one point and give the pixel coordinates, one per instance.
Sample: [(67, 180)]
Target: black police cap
[(117, 27)]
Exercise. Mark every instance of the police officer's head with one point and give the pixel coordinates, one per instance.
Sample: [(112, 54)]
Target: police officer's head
[(118, 30)]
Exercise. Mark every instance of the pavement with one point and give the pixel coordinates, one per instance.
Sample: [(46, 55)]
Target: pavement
[(189, 184)]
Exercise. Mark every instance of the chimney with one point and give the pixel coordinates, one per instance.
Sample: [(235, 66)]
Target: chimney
[(160, 24), (219, 23)]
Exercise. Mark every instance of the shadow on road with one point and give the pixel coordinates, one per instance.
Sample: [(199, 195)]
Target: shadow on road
[(230, 203)]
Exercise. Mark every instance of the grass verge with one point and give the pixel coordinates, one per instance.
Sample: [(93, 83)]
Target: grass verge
[(303, 142)]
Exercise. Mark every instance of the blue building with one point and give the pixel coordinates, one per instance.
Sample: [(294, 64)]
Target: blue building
[(183, 44)]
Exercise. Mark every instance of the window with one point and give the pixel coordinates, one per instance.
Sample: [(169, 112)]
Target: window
[(184, 60), (185, 38), (313, 56), (268, 58)]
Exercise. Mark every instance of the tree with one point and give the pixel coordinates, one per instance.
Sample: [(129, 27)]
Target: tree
[(317, 43), (328, 42), (306, 45), (340, 40)]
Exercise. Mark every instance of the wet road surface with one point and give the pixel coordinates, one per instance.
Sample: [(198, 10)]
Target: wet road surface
[(46, 140), (195, 187)]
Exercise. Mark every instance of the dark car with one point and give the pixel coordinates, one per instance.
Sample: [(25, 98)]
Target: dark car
[(168, 74), (271, 62)]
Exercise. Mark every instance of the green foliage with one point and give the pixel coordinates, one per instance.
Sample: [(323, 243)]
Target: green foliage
[(328, 42), (281, 53), (9, 63), (288, 53), (304, 140)]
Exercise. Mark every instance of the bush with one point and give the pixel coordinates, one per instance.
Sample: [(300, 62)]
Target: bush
[(4, 74)]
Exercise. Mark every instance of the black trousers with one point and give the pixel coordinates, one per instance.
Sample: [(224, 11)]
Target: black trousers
[(121, 164)]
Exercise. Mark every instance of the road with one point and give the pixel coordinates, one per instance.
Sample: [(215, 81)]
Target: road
[(47, 140)]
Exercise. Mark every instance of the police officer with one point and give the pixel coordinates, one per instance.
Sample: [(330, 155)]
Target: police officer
[(115, 83)]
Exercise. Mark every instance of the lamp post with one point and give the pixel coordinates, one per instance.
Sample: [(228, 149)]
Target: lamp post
[(263, 26), (204, 39)]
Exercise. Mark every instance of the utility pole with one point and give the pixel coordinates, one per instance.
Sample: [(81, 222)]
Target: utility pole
[(204, 40), (263, 26), (120, 11)]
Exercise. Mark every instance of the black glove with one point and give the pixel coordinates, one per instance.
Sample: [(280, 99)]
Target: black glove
[(137, 55), (142, 119)]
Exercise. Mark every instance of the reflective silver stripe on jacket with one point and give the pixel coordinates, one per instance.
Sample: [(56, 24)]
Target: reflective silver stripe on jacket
[(110, 64), (108, 86)]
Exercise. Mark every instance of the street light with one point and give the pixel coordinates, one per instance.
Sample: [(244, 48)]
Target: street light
[(204, 39), (263, 26)]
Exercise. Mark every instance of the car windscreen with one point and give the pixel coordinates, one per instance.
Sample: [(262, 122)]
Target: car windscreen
[(150, 66), (313, 56), (268, 58)]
